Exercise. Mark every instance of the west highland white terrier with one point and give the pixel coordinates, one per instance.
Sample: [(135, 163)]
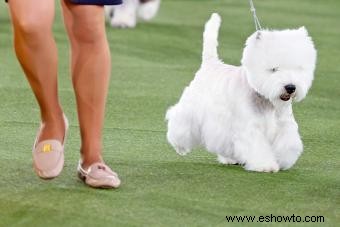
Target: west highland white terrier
[(244, 113), (127, 14)]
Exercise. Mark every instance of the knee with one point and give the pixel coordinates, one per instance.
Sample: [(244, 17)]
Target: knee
[(89, 34), (32, 29)]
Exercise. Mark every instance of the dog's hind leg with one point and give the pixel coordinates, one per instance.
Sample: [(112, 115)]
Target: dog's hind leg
[(181, 134), (210, 37), (226, 161)]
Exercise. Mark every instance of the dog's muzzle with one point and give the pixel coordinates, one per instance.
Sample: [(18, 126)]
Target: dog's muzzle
[(290, 92)]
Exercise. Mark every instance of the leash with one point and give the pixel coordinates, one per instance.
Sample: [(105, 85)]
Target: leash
[(256, 20)]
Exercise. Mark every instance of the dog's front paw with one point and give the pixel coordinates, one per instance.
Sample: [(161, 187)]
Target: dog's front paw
[(226, 161), (264, 166)]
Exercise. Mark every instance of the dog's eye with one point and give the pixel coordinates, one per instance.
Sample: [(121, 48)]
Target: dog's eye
[(273, 70)]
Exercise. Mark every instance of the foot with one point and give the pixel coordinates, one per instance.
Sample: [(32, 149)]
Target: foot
[(48, 154), (98, 175), (181, 150), (266, 166), (52, 128), (86, 162), (226, 161)]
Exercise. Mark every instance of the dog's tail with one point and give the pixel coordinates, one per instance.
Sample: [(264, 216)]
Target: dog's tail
[(210, 36)]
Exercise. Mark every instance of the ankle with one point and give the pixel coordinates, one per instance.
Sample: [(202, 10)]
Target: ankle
[(55, 117), (53, 127), (88, 161), (85, 164)]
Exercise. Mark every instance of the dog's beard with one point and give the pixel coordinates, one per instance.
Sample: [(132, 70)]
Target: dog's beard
[(274, 91), (286, 96)]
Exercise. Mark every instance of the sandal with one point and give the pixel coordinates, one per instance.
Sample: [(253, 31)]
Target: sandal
[(48, 155), (98, 175)]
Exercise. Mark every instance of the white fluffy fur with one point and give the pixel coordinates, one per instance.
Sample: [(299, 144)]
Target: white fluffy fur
[(127, 14), (236, 111)]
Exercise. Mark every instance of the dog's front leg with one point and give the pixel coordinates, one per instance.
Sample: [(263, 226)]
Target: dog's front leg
[(254, 151), (287, 145)]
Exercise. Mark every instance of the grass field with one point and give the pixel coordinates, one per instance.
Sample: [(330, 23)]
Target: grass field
[(151, 66)]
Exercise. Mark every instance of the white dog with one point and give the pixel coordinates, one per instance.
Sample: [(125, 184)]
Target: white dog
[(127, 14), (244, 114)]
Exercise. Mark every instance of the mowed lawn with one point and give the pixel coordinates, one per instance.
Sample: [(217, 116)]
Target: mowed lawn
[(150, 67)]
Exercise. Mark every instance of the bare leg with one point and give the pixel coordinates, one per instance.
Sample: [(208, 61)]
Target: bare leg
[(90, 73), (36, 51)]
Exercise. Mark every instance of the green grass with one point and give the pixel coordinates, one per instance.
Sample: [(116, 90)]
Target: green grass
[(151, 65)]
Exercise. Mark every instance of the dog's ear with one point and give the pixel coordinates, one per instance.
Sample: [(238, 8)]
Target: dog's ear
[(303, 30), (258, 35), (254, 38)]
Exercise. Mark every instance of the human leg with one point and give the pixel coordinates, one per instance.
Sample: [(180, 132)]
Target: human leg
[(36, 51), (90, 66)]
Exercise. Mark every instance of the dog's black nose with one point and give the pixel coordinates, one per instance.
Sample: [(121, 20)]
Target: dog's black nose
[(290, 88)]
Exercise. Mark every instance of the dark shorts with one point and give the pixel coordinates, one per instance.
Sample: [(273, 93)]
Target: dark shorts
[(95, 2)]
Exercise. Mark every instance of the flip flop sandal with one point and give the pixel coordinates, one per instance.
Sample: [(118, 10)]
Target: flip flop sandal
[(48, 155), (98, 175)]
